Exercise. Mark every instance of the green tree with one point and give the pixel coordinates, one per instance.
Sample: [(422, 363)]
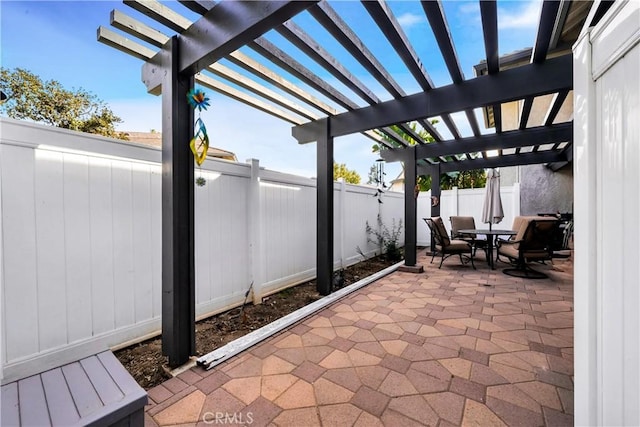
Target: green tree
[(466, 179), (30, 98), (340, 171), (476, 178)]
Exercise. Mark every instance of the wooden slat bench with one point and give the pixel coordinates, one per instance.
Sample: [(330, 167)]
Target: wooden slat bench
[(95, 391)]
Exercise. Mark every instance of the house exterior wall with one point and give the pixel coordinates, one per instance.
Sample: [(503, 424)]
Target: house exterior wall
[(545, 191), (607, 230), (541, 189)]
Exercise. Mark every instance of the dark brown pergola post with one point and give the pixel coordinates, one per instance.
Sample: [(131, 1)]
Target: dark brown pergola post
[(178, 266), (324, 220), (171, 72), (434, 172), (410, 212)]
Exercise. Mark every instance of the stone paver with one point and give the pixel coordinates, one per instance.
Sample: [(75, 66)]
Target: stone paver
[(450, 346)]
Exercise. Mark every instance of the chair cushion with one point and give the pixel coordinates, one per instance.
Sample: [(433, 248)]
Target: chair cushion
[(461, 223), (458, 245), (441, 230), (517, 223), (508, 250), (512, 250), (520, 224)]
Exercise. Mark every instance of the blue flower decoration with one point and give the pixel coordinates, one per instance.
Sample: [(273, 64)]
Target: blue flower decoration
[(197, 99)]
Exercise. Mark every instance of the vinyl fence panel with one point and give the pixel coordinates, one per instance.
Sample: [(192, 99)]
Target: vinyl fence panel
[(607, 179), (81, 255)]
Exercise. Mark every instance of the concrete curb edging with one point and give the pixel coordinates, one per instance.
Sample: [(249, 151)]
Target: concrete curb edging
[(229, 350)]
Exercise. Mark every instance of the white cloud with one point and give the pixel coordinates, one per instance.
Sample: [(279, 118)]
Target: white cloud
[(469, 8), (469, 14), (408, 20), (525, 16)]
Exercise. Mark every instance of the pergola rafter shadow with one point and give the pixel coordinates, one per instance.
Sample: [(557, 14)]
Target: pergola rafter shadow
[(225, 27)]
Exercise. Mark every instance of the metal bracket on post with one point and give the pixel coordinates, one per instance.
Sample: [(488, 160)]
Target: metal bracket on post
[(410, 212)]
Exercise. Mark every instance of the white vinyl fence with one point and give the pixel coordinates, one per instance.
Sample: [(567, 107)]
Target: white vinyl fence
[(606, 66), (80, 234), (81, 240)]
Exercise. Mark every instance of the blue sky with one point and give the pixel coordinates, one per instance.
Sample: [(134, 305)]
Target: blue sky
[(57, 40)]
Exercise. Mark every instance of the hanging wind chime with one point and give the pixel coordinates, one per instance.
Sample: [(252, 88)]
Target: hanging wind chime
[(379, 180), (200, 142)]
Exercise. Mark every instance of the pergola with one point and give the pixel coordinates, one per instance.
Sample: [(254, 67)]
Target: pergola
[(192, 48)]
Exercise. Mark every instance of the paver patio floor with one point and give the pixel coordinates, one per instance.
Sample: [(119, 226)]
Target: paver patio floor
[(454, 346)]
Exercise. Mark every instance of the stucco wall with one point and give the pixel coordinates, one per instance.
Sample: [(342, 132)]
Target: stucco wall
[(545, 191)]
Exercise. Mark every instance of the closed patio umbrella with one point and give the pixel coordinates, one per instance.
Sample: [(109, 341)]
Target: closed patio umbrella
[(492, 212)]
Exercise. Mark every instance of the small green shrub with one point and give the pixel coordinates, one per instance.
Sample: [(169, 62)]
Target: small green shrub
[(386, 239)]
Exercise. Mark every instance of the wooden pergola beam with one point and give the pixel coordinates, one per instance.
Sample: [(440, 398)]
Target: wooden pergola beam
[(500, 161), (391, 28), (440, 27), (511, 139), (339, 29), (314, 50), (136, 50), (142, 31), (156, 38), (223, 29), (548, 16), (556, 105), (549, 77), (198, 6), (489, 15), (174, 20), (546, 27), (288, 63)]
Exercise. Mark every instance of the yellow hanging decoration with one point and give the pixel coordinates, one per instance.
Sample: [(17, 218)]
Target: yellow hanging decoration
[(200, 142)]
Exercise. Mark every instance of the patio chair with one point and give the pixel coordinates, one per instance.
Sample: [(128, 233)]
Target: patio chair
[(535, 243), (446, 246), (465, 223), (519, 226)]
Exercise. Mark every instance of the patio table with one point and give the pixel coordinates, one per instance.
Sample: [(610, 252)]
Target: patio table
[(491, 235)]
